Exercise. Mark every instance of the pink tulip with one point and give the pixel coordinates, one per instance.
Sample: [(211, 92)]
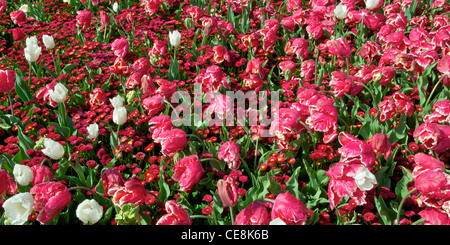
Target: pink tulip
[(84, 19), (431, 180), (187, 172), (227, 191), (111, 179), (356, 149), (175, 215), (254, 214), (120, 47), (434, 216), (41, 174), (443, 65), (220, 54), (289, 209), (298, 47), (98, 97), (49, 199), (7, 80), (172, 141), (287, 65), (18, 17), (339, 47), (159, 124), (153, 104), (7, 184), (133, 191), (440, 114), (381, 145), (342, 184), (230, 152), (433, 136)]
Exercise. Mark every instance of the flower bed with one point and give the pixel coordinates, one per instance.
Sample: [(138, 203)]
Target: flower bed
[(164, 112)]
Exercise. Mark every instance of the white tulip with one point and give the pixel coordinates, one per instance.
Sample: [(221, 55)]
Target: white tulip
[(115, 7), (32, 52), (18, 208), (24, 8), (89, 211), (371, 4), (92, 131), (175, 38), (31, 41), (58, 93), (340, 11), (117, 101), (49, 42), (120, 115), (22, 174), (53, 149), (365, 180), (277, 221)]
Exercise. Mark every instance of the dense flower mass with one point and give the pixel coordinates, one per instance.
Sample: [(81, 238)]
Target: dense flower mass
[(188, 112)]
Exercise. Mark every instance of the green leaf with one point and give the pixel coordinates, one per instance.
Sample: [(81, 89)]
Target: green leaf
[(292, 183), (387, 214), (22, 89), (164, 190)]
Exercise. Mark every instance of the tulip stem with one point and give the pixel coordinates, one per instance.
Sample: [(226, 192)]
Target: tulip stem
[(432, 91), (401, 204), (200, 217), (232, 215), (13, 121)]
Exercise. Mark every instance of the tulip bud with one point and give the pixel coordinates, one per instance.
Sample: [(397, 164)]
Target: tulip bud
[(92, 131), (89, 211), (22, 174), (128, 215), (115, 7), (18, 208), (189, 23), (227, 191), (49, 42), (58, 93), (340, 11), (53, 149), (175, 38), (381, 145)]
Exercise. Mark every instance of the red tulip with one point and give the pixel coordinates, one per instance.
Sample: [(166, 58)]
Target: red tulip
[(98, 97), (49, 199), (18, 17), (187, 172), (7, 80), (289, 209), (18, 34), (227, 191)]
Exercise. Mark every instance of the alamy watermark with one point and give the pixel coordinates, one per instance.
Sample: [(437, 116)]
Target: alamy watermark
[(252, 109)]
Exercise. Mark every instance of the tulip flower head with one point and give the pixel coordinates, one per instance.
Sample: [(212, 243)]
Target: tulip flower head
[(49, 42), (18, 208), (175, 38)]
